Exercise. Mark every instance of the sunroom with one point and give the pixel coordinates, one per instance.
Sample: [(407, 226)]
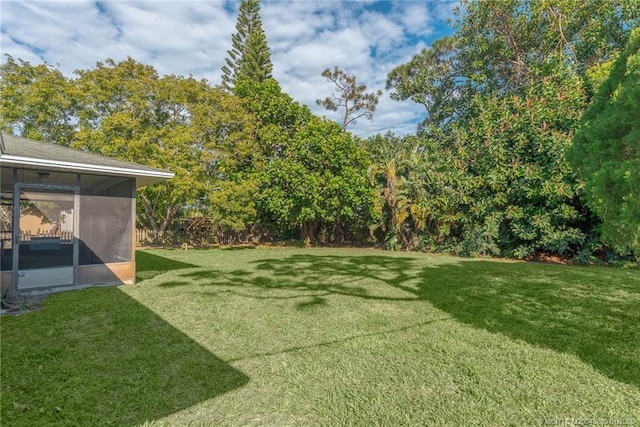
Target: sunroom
[(67, 216)]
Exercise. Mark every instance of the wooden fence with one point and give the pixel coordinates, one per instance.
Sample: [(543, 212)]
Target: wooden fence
[(214, 236)]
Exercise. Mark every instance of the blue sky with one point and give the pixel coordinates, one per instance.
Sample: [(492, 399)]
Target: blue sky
[(366, 38)]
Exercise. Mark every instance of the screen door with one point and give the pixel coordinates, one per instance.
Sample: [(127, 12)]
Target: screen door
[(46, 237)]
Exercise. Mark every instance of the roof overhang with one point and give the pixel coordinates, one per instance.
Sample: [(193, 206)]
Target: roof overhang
[(24, 153), (143, 177)]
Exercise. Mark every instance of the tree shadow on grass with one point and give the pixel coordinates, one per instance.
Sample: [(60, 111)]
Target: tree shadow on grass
[(238, 248), (98, 357), (149, 265), (590, 312), (314, 276)]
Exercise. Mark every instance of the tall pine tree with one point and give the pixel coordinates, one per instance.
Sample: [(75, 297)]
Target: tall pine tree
[(249, 57), (606, 150)]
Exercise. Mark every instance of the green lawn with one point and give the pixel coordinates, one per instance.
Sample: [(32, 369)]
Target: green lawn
[(287, 336)]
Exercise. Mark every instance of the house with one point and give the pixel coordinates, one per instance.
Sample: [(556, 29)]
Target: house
[(67, 217)]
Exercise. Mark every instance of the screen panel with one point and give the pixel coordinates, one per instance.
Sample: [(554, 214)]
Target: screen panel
[(106, 221), (6, 219)]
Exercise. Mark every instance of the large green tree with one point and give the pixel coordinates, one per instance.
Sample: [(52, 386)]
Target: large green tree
[(37, 101), (503, 97), (125, 110), (313, 176), (606, 150), (201, 133), (318, 183), (249, 57), (523, 198), (504, 42), (433, 79)]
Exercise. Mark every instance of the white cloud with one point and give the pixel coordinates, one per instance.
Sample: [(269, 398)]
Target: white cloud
[(414, 16), (444, 10), (192, 37), (381, 32)]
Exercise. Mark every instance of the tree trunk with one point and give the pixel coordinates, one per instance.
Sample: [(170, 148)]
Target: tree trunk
[(148, 213), (307, 230)]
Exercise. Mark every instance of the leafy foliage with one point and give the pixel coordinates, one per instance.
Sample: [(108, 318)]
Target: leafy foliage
[(486, 173), (127, 111), (522, 192), (418, 184), (503, 98), (313, 177), (504, 42), (431, 78), (606, 150), (37, 101), (170, 122)]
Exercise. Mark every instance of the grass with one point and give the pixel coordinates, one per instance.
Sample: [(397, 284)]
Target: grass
[(286, 336)]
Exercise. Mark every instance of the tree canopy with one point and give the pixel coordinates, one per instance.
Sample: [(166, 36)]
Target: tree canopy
[(504, 96), (529, 143), (127, 111), (313, 176), (36, 101)]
